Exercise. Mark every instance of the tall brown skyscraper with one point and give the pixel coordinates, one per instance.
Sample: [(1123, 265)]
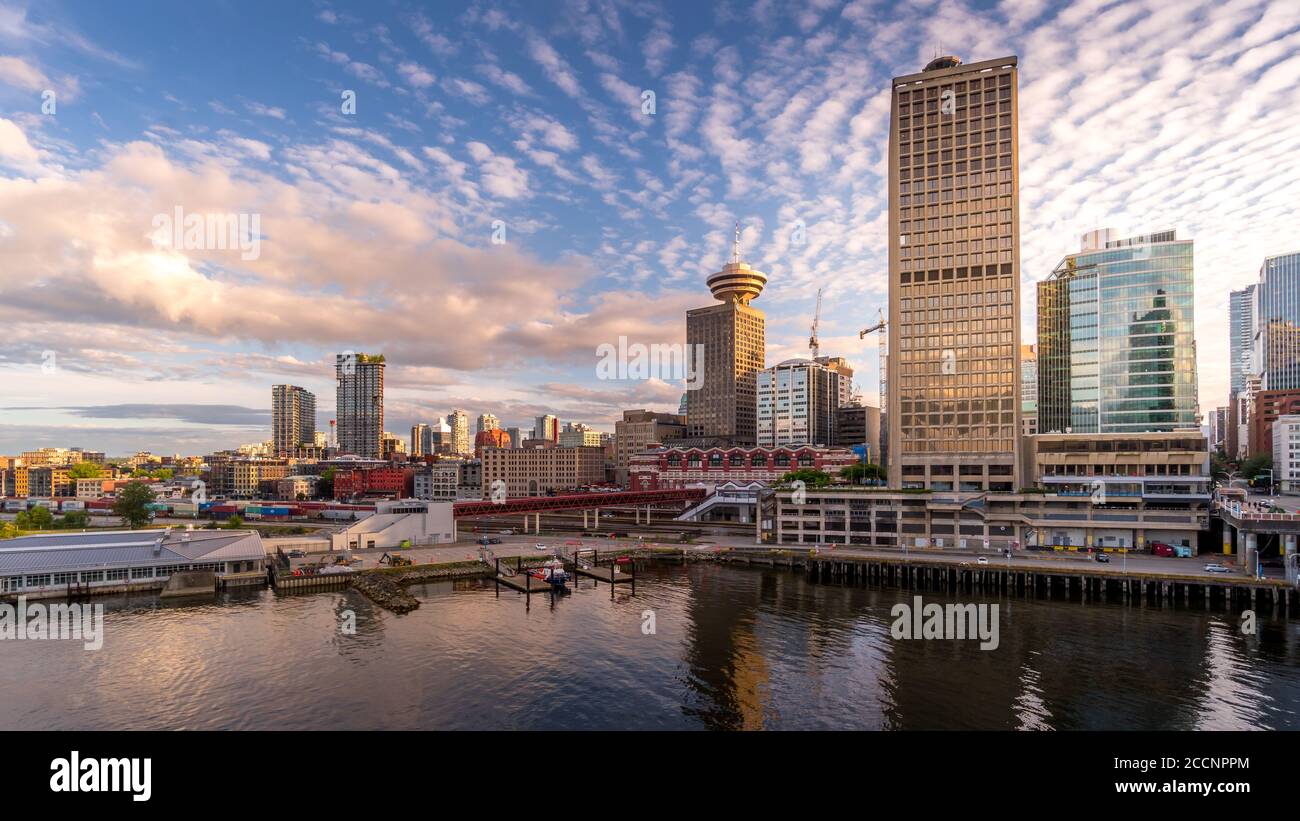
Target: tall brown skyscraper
[(954, 277), (734, 339)]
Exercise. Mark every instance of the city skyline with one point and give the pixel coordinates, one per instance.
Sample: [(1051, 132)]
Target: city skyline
[(376, 228)]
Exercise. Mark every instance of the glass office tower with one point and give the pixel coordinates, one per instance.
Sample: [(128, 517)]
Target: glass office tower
[(1116, 338), (1276, 313)]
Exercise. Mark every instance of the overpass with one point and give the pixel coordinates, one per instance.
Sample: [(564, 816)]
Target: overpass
[(536, 505), (1249, 523)]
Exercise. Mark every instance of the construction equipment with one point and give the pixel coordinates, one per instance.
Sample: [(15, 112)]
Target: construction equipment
[(882, 345), (394, 561), (813, 344)]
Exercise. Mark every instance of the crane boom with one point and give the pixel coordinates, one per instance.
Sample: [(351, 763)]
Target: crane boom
[(813, 344)]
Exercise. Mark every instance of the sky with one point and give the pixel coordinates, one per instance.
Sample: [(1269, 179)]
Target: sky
[(482, 192)]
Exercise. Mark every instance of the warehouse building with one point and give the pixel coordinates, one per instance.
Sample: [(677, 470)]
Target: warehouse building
[(117, 561)]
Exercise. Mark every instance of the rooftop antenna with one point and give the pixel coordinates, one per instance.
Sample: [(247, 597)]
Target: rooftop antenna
[(735, 251)]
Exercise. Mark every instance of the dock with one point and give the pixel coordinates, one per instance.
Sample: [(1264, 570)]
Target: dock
[(605, 574), (524, 583), (609, 573)]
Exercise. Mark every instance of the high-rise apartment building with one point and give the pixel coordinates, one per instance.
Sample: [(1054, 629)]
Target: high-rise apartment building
[(733, 338), (797, 400), (421, 440), (487, 421), (1241, 337), (359, 403), (1219, 428), (841, 366), (1276, 315), (461, 443), (1117, 337), (293, 419), (1029, 389), (516, 437), (954, 277), (546, 427)]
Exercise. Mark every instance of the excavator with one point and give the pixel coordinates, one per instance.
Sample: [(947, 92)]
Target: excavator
[(393, 560)]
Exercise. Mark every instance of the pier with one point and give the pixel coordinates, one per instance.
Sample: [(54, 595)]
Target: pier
[(1087, 584)]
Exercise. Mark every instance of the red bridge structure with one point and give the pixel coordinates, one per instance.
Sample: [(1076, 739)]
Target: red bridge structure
[(536, 505)]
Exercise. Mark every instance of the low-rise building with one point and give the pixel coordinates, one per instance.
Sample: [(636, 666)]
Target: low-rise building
[(1090, 491), (857, 424), (115, 561), (672, 468), (437, 482), (385, 482), (537, 470), (399, 523), (1172, 465), (1286, 453), (302, 486)]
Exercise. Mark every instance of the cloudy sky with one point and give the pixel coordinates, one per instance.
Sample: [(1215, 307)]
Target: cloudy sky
[(474, 119)]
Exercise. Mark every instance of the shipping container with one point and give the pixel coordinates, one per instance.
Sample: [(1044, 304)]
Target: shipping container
[(12, 505), (46, 503), (71, 504)]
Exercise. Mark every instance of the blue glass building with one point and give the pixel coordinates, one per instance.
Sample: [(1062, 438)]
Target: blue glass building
[(1116, 338)]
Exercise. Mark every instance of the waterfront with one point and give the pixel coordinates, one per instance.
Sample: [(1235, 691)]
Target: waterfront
[(733, 648)]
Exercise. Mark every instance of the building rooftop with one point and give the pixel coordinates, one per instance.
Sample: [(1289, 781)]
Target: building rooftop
[(59, 552)]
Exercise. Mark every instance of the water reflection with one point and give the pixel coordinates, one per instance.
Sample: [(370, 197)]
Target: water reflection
[(734, 649)]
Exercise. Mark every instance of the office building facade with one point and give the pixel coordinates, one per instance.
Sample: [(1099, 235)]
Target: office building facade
[(954, 274), (797, 400), (1275, 312), (1117, 337), (733, 338)]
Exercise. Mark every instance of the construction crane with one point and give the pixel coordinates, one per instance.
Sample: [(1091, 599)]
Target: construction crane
[(882, 345), (813, 344)]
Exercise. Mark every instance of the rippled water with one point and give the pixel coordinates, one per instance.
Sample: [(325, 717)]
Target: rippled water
[(733, 648)]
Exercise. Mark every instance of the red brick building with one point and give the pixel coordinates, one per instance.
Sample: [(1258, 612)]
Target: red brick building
[(1269, 405), (392, 483), (672, 468)]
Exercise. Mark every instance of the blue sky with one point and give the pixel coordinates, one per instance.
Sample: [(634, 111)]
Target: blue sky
[(376, 227)]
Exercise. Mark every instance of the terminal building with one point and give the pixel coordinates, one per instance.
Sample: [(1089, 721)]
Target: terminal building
[(119, 561), (1098, 491)]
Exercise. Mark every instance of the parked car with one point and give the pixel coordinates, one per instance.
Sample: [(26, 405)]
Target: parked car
[(541, 546), (1216, 568), (297, 554), (1103, 558), (494, 541), (507, 533), (982, 560)]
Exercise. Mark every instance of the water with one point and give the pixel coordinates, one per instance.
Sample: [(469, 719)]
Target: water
[(733, 649)]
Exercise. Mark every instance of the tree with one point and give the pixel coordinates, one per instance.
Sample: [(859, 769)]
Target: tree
[(862, 474), (325, 488), (38, 518), (234, 522), (85, 470), (8, 530), (75, 520), (1218, 466), (132, 504), (1252, 466), (809, 476)]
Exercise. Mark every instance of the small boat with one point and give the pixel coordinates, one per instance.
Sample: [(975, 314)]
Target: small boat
[(553, 573)]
